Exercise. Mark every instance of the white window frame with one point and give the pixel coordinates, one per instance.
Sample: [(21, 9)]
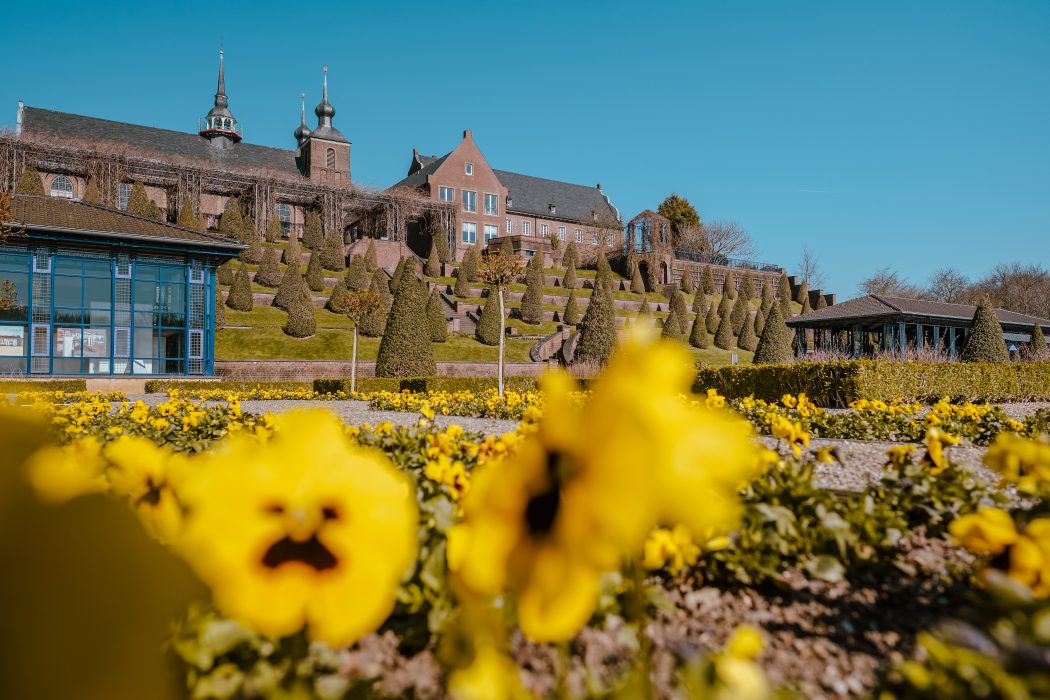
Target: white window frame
[(46, 329), (526, 228), (468, 168), (489, 231), (579, 235), (329, 158), (509, 227), (199, 355), (37, 267), (471, 228), (545, 230), (561, 233), (122, 199), (62, 192), (443, 190), (594, 238), (472, 196), (494, 211)]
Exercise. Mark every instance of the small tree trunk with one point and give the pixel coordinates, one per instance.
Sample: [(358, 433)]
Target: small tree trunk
[(502, 335), (353, 363)]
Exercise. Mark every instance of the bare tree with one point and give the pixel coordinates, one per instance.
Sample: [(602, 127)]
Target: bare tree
[(359, 304), (497, 271), (949, 285), (809, 269), (1017, 287), (888, 282), (729, 239)]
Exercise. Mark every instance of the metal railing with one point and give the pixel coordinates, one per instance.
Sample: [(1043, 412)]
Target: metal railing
[(723, 261), (220, 124)]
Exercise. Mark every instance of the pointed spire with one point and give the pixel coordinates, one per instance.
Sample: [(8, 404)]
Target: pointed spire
[(325, 111), (326, 83), (219, 119), (302, 132), (220, 92)]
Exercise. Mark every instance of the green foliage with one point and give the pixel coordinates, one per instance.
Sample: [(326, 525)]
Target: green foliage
[(729, 285), (463, 288), (604, 272), (269, 272), (759, 325), (422, 384), (507, 248), (740, 314), (784, 297), (14, 386), (747, 340), (985, 341), (440, 238), (672, 326), (747, 287), (487, 329), (707, 281), (699, 305), (836, 384), (598, 327), (187, 217), (291, 285), (314, 273), (240, 297), (357, 279), (724, 333), (30, 182), (1037, 342), (219, 313), (159, 386), (468, 268), (313, 232), (569, 280), (301, 320), (338, 297), (253, 254), (273, 229), (380, 279), (405, 350), (712, 319), (637, 283), (532, 300), (680, 310), (767, 297), (571, 315), (224, 273), (399, 271), (698, 336), (802, 295), (806, 308), (332, 255), (571, 255), (679, 212), (140, 204), (822, 303), (373, 323), (686, 283), (555, 251), (371, 261), (433, 266), (293, 253), (436, 318), (774, 347), (248, 233), (230, 223)]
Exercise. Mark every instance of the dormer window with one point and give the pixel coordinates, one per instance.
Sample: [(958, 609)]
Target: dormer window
[(510, 202), (469, 170), (62, 187), (554, 209), (594, 215)]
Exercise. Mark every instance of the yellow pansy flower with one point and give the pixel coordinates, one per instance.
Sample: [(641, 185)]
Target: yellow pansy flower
[(61, 473), (936, 439), (986, 532), (142, 473)]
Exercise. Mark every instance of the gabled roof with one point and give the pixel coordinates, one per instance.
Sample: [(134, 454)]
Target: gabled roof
[(878, 306), (418, 178), (163, 144), (534, 195), (58, 215), (649, 214)]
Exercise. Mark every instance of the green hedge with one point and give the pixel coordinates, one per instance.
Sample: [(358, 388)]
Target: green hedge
[(422, 384), (155, 386), (835, 384), (16, 385)]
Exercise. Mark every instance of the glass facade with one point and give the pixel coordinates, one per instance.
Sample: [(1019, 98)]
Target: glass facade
[(78, 312)]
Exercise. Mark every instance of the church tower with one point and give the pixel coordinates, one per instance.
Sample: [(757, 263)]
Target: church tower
[(324, 152), (219, 127)]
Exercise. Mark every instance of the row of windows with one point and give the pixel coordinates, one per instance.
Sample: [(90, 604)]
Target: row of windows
[(470, 200), (470, 232)]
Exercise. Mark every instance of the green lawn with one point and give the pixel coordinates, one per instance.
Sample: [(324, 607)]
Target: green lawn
[(273, 344), (273, 317)]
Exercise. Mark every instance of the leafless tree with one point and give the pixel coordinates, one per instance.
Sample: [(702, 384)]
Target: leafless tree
[(497, 271), (727, 238), (809, 269), (888, 282), (949, 285), (1017, 287)]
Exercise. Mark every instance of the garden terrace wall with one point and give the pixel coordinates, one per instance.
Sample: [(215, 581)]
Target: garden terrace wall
[(836, 384)]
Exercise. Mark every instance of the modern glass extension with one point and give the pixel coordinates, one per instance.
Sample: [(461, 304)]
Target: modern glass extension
[(78, 312)]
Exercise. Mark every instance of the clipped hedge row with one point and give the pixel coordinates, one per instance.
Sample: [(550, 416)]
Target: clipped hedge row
[(155, 386), (422, 384), (836, 384), (14, 386)]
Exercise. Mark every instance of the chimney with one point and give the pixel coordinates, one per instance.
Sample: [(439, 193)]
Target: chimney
[(467, 134), (415, 153), (599, 187)]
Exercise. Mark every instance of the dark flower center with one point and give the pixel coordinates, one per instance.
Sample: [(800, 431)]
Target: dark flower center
[(310, 552), (542, 508), (152, 495)]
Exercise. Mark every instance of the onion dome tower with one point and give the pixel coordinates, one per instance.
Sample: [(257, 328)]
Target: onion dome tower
[(325, 152), (220, 127), (302, 132)]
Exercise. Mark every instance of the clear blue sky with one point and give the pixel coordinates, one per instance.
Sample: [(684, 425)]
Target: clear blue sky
[(905, 134)]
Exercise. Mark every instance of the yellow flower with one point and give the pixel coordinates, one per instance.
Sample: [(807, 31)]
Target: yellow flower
[(1020, 461), (714, 400), (288, 535), (491, 676), (745, 643), (671, 548), (791, 433), (59, 474), (936, 439), (142, 472), (1030, 557), (899, 455), (988, 531)]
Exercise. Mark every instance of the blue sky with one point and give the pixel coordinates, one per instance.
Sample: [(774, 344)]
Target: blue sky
[(903, 134)]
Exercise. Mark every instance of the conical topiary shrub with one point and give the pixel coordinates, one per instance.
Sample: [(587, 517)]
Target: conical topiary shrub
[(224, 273), (436, 320), (248, 233), (187, 217), (637, 283), (802, 295), (1036, 347), (230, 222), (463, 288), (468, 268), (291, 285), (332, 255), (293, 254), (487, 329), (699, 304), (30, 182), (220, 310), (985, 341), (598, 327), (313, 232), (747, 340), (373, 323), (571, 255), (240, 297), (785, 297), (740, 314), (338, 297), (698, 336), (395, 278), (532, 300), (269, 272), (822, 303), (604, 272), (371, 261), (357, 278), (314, 273), (139, 204), (253, 254), (707, 281), (686, 283), (569, 280), (711, 323), (405, 349), (672, 327), (571, 314), (440, 239), (724, 333), (774, 347), (273, 230), (644, 307), (767, 297), (379, 278), (760, 323), (681, 312), (301, 321), (729, 286), (433, 266)]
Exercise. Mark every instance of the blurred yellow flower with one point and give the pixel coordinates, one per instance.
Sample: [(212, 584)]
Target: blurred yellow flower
[(672, 548), (935, 458), (61, 473), (142, 472), (746, 642), (304, 529), (988, 531), (791, 433), (1021, 461)]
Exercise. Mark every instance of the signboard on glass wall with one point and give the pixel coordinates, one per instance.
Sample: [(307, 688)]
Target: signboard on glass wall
[(12, 341)]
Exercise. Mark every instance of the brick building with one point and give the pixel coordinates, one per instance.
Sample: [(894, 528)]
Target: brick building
[(491, 204)]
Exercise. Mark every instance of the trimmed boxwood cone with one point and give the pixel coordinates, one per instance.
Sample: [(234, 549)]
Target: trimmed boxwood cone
[(724, 333), (487, 329), (463, 288), (253, 254), (686, 283), (440, 238), (767, 297), (220, 310), (681, 312), (269, 273), (468, 268), (637, 283), (357, 278), (707, 281), (240, 298), (301, 321), (224, 273), (571, 256), (760, 323), (672, 328), (30, 183), (698, 336), (273, 230), (291, 284), (644, 308), (740, 313), (747, 339), (569, 280), (712, 319), (395, 278), (380, 279), (374, 323), (371, 262), (436, 318), (532, 300), (822, 303), (405, 349), (187, 217), (313, 232), (314, 273), (598, 328), (729, 285), (433, 266), (293, 253), (774, 347), (571, 315), (785, 297), (985, 341), (332, 255)]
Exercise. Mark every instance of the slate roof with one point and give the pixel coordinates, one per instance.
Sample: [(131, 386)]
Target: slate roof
[(95, 220), (534, 195), (159, 143), (419, 178), (877, 306)]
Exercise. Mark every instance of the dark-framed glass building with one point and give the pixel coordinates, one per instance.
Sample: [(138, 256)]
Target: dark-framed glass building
[(89, 290)]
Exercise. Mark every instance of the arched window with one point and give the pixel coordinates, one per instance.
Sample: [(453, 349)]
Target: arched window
[(123, 195), (331, 158), (62, 187), (284, 215)]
